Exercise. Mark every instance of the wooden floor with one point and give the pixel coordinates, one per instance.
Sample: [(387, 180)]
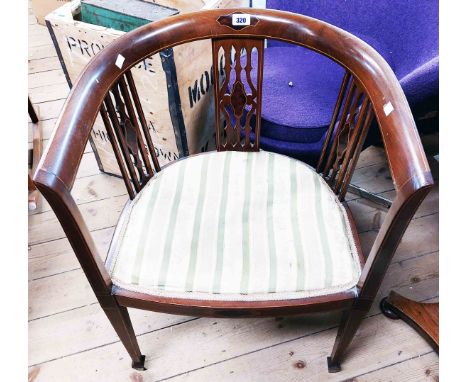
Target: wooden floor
[(70, 339)]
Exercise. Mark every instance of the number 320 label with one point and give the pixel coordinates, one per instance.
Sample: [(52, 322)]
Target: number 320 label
[(240, 19)]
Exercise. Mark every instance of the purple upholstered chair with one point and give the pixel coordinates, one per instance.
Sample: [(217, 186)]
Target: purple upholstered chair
[(300, 86)]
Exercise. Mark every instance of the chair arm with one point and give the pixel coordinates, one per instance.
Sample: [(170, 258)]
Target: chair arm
[(77, 232), (403, 208)]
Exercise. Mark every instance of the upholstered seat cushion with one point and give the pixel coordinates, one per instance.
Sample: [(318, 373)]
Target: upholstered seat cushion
[(234, 226)]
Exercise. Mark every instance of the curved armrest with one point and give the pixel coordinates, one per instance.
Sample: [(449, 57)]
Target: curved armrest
[(394, 226), (76, 230)]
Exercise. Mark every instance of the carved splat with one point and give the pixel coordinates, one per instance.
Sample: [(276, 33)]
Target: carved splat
[(237, 98), (345, 138)]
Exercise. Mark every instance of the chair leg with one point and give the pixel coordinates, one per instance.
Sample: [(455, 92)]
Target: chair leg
[(32, 112), (349, 324), (120, 320)]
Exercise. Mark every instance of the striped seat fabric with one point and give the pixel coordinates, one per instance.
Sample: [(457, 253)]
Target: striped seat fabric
[(234, 226)]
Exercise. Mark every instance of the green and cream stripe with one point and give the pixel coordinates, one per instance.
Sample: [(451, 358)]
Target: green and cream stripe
[(234, 226)]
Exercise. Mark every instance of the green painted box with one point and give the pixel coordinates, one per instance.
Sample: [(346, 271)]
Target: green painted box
[(123, 15), (175, 85)]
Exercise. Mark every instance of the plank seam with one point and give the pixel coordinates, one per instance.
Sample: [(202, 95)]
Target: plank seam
[(214, 363)]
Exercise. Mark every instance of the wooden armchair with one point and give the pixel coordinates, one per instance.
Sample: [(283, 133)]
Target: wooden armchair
[(238, 231)]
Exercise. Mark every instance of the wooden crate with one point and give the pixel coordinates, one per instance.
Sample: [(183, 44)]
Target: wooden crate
[(175, 86), (41, 8), (123, 15)]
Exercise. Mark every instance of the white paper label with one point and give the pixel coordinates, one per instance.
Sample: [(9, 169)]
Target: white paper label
[(120, 60), (240, 19), (388, 108)]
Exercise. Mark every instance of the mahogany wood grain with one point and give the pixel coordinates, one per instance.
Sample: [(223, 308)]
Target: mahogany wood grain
[(359, 138), (132, 127), (354, 132), (331, 128), (142, 119), (118, 153), (205, 308), (423, 317), (332, 156), (235, 99), (124, 149)]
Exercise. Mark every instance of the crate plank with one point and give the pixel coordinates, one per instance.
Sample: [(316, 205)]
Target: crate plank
[(79, 42)]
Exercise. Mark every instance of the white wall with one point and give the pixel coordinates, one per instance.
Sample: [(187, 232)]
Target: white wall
[(258, 3)]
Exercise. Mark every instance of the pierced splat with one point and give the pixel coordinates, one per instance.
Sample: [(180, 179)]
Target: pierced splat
[(345, 139), (237, 98)]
